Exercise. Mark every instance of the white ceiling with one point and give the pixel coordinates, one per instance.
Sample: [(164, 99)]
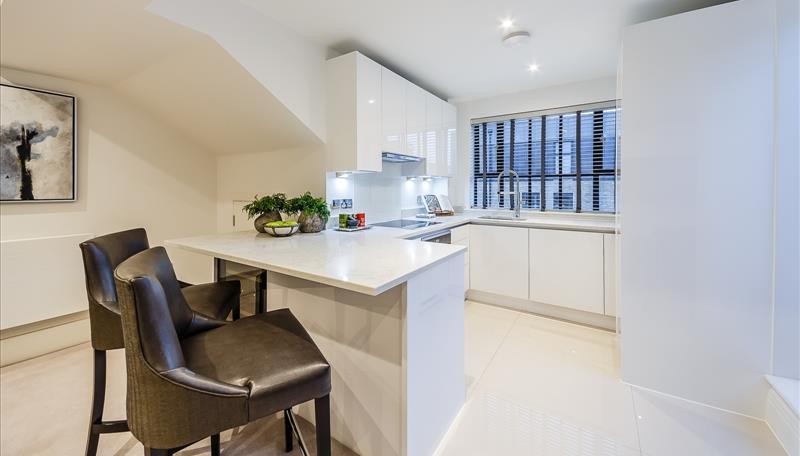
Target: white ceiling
[(452, 47), (181, 77), (95, 41)]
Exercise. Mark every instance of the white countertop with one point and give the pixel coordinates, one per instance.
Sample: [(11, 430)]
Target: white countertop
[(370, 261)]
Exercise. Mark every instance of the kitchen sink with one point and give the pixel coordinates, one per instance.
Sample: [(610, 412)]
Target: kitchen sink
[(500, 217)]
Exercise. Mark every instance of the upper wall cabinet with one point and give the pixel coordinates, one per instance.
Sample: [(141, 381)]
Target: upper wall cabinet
[(415, 120), (371, 110), (354, 114), (432, 144), (393, 107), (450, 137)]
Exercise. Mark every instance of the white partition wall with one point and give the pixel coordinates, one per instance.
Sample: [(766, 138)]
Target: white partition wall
[(697, 204)]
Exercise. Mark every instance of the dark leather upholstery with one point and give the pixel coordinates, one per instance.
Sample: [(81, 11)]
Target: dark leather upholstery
[(214, 300), (281, 365), (190, 376), (103, 254)]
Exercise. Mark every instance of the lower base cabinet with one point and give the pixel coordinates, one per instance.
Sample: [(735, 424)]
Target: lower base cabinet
[(499, 260), (566, 269), (460, 236)]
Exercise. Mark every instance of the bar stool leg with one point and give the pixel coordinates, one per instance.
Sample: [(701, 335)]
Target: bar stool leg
[(322, 415), (287, 431), (98, 400), (215, 445)]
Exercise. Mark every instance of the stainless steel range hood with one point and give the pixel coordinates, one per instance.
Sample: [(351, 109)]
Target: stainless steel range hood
[(399, 158)]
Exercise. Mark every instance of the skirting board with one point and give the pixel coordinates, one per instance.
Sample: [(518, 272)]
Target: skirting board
[(27, 345), (559, 313), (783, 423)]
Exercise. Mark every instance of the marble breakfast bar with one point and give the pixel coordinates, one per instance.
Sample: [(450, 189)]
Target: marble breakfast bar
[(393, 335)]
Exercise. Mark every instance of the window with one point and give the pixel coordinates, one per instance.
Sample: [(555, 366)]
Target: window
[(566, 159)]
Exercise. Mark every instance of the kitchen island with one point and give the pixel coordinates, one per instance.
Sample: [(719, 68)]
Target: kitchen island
[(387, 313)]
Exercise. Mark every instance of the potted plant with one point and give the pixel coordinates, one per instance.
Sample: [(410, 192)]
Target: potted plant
[(266, 209), (313, 212)]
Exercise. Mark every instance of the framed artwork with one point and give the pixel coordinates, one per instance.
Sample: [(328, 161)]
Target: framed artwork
[(37, 145)]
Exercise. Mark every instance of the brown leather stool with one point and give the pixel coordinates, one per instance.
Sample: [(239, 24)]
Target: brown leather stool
[(100, 256), (184, 381)]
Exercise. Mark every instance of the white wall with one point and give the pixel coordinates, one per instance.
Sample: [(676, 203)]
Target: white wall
[(549, 97), (242, 176), (131, 172), (291, 67), (786, 337), (696, 252)]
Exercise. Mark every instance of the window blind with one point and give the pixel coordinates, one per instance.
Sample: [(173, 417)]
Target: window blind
[(566, 159)]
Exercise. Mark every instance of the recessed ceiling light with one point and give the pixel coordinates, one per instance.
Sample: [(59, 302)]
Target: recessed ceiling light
[(506, 23), (533, 68)]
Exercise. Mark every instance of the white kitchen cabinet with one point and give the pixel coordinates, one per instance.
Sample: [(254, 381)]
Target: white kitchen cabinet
[(460, 236), (499, 260), (449, 133), (566, 269), (610, 274), (354, 131), (433, 144), (393, 108), (415, 119)]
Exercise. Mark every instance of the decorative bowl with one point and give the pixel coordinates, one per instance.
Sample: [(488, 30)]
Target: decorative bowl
[(281, 231)]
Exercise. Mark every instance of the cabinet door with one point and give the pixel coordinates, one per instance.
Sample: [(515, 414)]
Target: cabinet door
[(449, 138), (433, 134), (498, 260), (460, 236), (415, 120), (566, 269), (610, 273), (368, 115), (393, 107)]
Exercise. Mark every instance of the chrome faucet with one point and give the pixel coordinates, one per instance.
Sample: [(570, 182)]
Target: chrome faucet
[(514, 181)]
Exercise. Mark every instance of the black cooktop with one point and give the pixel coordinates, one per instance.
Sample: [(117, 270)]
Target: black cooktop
[(406, 224)]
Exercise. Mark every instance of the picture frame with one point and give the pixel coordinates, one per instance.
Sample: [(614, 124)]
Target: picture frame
[(38, 145)]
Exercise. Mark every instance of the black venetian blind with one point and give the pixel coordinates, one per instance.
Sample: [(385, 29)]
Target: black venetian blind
[(569, 156)]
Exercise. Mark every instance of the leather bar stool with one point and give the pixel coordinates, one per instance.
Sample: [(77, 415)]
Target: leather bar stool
[(190, 376), (100, 256)]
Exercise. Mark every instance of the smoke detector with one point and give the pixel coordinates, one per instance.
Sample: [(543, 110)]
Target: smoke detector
[(516, 38)]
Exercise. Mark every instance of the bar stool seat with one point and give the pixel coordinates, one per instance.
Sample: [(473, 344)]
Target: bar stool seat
[(281, 365)]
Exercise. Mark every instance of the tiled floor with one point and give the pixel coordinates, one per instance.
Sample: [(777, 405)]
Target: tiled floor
[(535, 387), (545, 387)]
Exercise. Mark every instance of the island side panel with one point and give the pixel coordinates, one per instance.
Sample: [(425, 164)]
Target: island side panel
[(433, 356), (361, 338)]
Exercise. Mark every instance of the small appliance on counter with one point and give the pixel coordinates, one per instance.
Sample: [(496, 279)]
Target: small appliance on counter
[(437, 204), (353, 222)]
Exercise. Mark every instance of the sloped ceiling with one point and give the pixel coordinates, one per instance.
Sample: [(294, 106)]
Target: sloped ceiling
[(182, 77)]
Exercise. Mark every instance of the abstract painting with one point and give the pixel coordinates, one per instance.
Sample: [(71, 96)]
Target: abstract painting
[(37, 145)]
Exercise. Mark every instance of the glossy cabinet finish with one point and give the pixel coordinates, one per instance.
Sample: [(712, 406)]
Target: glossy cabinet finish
[(371, 110), (353, 114), (432, 144), (393, 108), (449, 138), (460, 236), (566, 269), (415, 119), (499, 260)]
